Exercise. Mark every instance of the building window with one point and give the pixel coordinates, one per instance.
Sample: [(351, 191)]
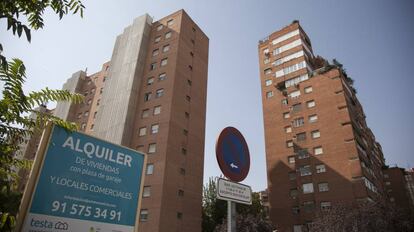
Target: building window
[(150, 169), (162, 77), (308, 89), (315, 134), (79, 115), (323, 187), (94, 114), (293, 193), (179, 215), (155, 128), (269, 94), (289, 143), (155, 52), (189, 82), (98, 102), (297, 122), (313, 118), (159, 93), (153, 66), (297, 228), (267, 71), (145, 113), (166, 48), (295, 210), (170, 22), (190, 67), (86, 114), (152, 148), (295, 94), (168, 35), (301, 137), (320, 168), (92, 126), (191, 54), (184, 151), (284, 101), (307, 188), (387, 183), (310, 104), (182, 171), (147, 96), (296, 108), (157, 39), (286, 115), (185, 132), (157, 110), (146, 192), (180, 192), (309, 206), (160, 27), (142, 131), (302, 153), (305, 170), (292, 175), (143, 215), (93, 90), (150, 80), (192, 41), (291, 159), (266, 60), (326, 205), (288, 129), (187, 115), (89, 102), (188, 98), (268, 82), (317, 151), (164, 61)]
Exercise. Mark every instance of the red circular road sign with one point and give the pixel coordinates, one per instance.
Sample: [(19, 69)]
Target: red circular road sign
[(232, 154)]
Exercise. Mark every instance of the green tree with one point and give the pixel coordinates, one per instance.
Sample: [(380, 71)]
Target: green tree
[(215, 211), (32, 12), (15, 105)]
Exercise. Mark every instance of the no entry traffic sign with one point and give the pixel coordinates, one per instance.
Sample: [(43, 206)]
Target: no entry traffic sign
[(232, 154)]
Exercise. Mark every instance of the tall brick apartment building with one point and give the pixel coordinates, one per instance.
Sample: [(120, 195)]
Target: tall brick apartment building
[(151, 96), (319, 149)]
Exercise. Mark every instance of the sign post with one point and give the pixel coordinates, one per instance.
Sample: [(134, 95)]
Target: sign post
[(81, 183), (233, 157)]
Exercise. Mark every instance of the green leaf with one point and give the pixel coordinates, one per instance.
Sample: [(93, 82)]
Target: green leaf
[(19, 30), (27, 32)]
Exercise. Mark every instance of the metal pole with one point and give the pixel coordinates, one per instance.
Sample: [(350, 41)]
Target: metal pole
[(229, 216)]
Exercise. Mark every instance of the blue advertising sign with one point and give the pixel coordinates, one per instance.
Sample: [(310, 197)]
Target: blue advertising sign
[(232, 154), (85, 184)]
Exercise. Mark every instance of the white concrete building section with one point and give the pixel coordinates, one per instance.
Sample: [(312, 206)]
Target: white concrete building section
[(72, 85), (115, 118)]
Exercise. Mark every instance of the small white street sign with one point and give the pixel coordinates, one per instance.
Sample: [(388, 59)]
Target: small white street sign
[(231, 191)]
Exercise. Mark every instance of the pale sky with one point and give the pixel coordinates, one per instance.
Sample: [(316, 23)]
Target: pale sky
[(373, 39)]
